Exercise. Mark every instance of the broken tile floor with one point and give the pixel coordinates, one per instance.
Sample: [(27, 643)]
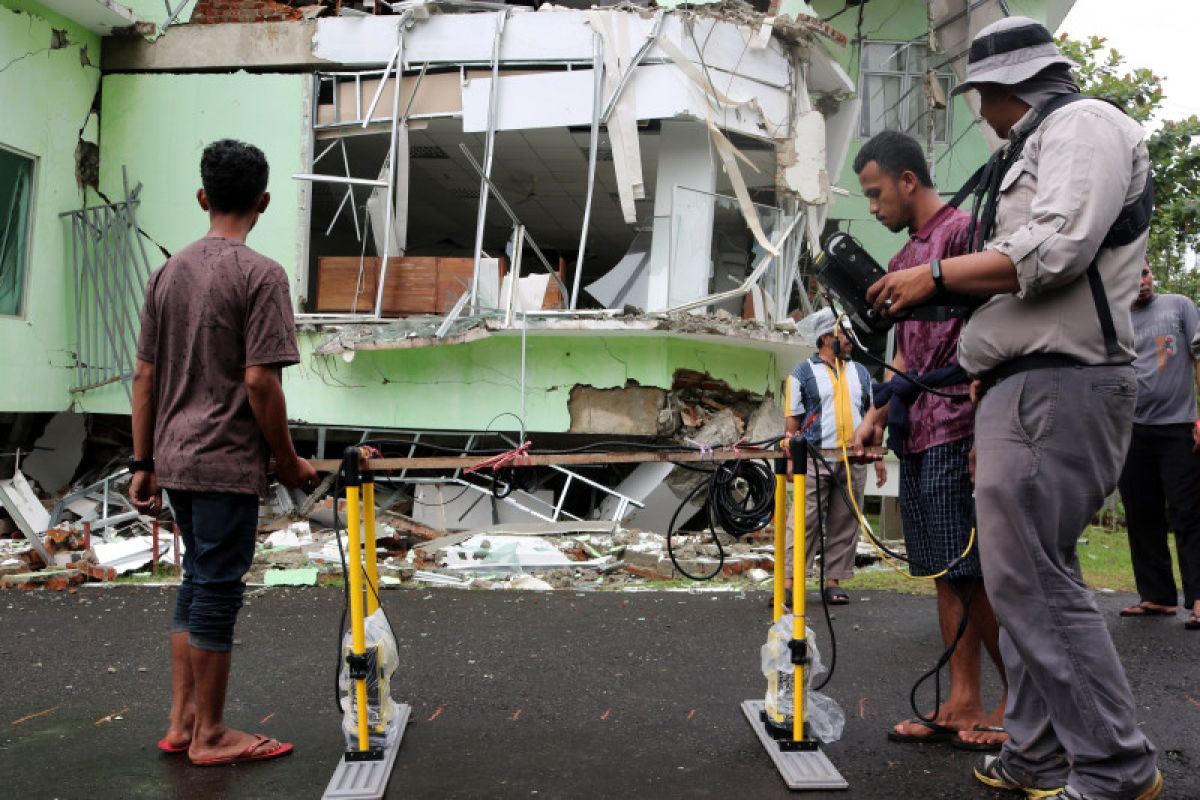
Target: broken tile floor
[(514, 694)]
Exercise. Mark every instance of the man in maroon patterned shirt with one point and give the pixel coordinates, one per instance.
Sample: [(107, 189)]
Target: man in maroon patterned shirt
[(936, 503)]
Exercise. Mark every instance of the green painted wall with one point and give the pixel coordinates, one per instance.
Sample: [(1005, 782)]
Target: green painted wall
[(157, 125), (902, 20), (46, 95), (465, 386)]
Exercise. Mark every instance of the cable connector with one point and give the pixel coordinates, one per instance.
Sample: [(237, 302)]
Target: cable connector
[(359, 666), (799, 649)]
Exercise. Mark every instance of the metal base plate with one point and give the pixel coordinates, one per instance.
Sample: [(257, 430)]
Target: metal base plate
[(799, 770), (366, 780)]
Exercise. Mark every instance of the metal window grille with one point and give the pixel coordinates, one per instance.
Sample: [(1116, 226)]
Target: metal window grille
[(109, 277)]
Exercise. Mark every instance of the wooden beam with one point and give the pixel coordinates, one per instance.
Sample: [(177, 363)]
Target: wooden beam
[(564, 459)]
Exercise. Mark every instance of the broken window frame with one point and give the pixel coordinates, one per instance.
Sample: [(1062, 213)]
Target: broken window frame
[(911, 83), (786, 247), (16, 236)]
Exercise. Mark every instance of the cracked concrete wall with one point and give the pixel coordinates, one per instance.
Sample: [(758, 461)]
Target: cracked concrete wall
[(158, 124), (47, 81), (465, 386)]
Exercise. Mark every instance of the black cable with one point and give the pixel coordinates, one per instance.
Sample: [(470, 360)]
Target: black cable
[(909, 377), (936, 671), (821, 578), (736, 515), (944, 659)]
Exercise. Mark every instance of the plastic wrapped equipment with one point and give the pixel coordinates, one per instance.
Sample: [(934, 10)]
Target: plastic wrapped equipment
[(824, 718), (382, 710)]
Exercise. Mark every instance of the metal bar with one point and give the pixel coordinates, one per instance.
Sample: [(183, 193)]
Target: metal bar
[(514, 275), (593, 147), (300, 176), (550, 459), (562, 498), (589, 482), (489, 145), (750, 281), (454, 314), (637, 60), (78, 306), (326, 150), (390, 205), (383, 82), (416, 88), (515, 221)]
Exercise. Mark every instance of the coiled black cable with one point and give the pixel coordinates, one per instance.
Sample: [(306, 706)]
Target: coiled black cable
[(740, 496)]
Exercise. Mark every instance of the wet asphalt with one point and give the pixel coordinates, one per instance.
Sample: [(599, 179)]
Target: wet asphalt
[(514, 694)]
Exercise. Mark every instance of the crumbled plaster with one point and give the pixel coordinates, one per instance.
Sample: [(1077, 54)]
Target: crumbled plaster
[(629, 410)]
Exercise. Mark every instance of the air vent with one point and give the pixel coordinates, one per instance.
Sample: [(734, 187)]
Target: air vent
[(426, 151)]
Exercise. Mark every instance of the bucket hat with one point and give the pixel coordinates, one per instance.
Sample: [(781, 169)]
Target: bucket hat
[(1010, 51)]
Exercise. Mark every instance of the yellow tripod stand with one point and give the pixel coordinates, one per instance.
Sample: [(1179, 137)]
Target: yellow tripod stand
[(797, 756), (365, 768)]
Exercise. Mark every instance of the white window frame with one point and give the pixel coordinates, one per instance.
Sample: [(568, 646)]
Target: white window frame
[(26, 267), (910, 81)]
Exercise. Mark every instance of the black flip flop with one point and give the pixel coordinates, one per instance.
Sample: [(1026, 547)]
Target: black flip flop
[(940, 733), (1147, 611), (959, 744), (836, 596)]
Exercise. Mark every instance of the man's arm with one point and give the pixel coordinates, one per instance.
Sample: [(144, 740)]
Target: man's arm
[(143, 490), (983, 274), (270, 411)]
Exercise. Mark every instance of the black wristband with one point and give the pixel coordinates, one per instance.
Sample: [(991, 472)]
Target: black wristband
[(141, 465), (935, 270)]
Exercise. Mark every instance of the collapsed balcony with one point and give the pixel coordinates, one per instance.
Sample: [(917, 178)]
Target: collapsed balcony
[(529, 171)]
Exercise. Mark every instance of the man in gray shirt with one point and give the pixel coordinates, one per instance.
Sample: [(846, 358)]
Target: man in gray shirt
[(1162, 470), (1063, 226)]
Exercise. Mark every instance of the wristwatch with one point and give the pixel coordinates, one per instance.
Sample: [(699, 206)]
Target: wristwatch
[(140, 465), (935, 270)]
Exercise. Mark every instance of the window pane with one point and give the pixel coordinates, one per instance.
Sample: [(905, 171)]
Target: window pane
[(16, 173), (884, 56), (880, 108)]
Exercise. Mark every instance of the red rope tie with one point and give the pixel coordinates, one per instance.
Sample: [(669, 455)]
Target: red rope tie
[(518, 456)]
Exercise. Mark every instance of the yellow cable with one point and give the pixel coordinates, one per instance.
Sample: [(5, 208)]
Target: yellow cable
[(843, 388)]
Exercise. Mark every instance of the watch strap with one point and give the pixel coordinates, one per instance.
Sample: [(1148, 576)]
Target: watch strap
[(935, 269), (141, 465)]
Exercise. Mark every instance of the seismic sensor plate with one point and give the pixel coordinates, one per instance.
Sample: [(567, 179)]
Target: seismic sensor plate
[(810, 769), (367, 780)]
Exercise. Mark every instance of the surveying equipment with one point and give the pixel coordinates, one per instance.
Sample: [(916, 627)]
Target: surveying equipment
[(374, 723), (796, 753)]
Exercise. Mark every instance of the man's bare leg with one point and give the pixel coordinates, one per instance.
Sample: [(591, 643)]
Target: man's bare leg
[(182, 716), (211, 739), (983, 620), (964, 707)]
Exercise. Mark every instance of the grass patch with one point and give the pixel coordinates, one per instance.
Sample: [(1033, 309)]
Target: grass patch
[(1103, 555)]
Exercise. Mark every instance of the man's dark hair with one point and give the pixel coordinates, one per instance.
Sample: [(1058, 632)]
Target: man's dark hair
[(895, 153), (234, 175)]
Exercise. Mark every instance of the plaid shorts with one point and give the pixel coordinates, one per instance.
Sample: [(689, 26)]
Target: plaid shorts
[(937, 509)]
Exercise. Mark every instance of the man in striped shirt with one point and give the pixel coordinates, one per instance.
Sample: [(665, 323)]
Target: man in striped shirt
[(827, 396)]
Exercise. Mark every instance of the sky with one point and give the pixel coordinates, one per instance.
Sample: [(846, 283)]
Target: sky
[(1158, 34)]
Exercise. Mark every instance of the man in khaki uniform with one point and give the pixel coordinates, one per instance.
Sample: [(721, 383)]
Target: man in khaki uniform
[(1063, 230)]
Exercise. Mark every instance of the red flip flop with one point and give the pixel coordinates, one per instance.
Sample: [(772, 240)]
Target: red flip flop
[(167, 747), (249, 754)]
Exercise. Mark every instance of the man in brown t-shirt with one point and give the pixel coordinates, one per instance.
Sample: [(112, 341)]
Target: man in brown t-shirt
[(208, 410)]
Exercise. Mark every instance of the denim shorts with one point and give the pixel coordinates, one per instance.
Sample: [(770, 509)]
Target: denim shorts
[(218, 533)]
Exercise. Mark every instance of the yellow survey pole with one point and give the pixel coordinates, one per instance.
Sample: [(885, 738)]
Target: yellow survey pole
[(358, 645), (799, 567), (370, 556), (780, 536)]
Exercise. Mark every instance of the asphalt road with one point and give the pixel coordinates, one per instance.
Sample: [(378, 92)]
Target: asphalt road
[(514, 694)]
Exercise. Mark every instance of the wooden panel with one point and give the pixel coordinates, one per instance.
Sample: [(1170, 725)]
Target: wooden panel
[(411, 284), (454, 276)]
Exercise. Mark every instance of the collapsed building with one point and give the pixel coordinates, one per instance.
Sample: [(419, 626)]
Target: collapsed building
[(565, 225)]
